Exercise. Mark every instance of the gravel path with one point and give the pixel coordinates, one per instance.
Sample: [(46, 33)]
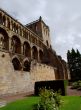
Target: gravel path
[(73, 92), (15, 97)]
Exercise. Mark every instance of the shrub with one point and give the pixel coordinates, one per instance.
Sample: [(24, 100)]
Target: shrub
[(49, 100), (76, 85), (79, 85)]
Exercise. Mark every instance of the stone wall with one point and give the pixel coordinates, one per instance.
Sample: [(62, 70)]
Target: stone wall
[(14, 82), (42, 72)]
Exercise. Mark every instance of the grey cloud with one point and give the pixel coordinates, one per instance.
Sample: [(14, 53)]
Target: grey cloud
[(62, 16)]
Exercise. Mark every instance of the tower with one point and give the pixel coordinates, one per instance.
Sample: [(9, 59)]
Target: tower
[(42, 30)]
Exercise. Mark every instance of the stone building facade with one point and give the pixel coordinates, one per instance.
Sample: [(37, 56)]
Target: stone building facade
[(26, 56)]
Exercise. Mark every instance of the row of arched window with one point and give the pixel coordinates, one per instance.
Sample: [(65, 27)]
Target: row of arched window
[(17, 65), (11, 24), (16, 46), (4, 20)]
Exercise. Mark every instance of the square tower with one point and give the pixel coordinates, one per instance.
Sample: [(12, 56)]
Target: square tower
[(42, 30)]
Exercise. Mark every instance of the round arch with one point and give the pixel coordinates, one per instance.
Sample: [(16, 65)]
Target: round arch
[(47, 43), (16, 44), (1, 21), (26, 65), (40, 55), (8, 23), (27, 49), (16, 64), (4, 39), (34, 53), (4, 20)]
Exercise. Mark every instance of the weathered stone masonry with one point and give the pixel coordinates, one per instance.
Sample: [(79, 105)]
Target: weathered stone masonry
[(26, 56)]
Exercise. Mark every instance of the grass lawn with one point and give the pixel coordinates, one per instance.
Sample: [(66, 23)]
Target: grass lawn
[(69, 103), (24, 104)]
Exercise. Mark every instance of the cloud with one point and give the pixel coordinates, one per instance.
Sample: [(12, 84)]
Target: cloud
[(62, 16)]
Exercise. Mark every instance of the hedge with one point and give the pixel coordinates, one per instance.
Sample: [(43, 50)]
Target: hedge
[(56, 85)]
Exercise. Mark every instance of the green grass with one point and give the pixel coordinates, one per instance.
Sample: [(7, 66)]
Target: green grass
[(24, 104), (69, 103)]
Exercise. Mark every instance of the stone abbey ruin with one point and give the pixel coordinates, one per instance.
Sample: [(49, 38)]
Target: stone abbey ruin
[(26, 56)]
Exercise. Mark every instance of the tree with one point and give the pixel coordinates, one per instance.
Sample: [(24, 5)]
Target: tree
[(74, 62)]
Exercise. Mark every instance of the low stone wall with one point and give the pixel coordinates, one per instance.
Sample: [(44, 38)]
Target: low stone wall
[(42, 72)]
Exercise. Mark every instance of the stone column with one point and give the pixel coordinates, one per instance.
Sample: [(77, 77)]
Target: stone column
[(22, 49), (1, 41), (10, 44), (38, 55)]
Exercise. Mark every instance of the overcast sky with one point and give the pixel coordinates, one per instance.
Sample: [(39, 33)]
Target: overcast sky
[(62, 16)]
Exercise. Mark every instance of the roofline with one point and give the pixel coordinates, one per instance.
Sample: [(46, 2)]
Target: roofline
[(36, 22), (32, 22), (20, 23)]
